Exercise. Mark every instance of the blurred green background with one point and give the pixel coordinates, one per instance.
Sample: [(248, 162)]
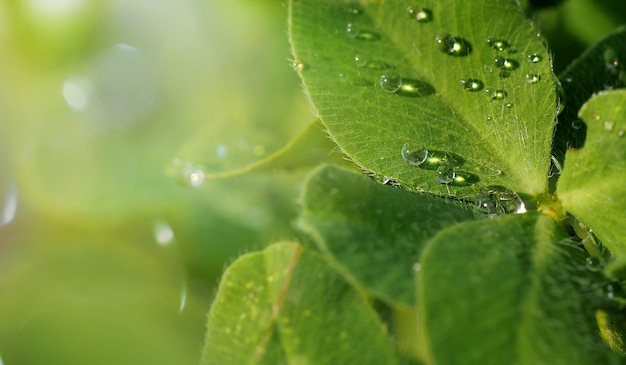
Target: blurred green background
[(113, 116)]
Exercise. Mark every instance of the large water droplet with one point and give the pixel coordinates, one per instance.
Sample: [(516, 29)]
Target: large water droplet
[(532, 78), (505, 63), (472, 84), (533, 58), (415, 88), (414, 154), (497, 200), (453, 46), (417, 155), (445, 174), (497, 44), (420, 14), (390, 81), (355, 32)]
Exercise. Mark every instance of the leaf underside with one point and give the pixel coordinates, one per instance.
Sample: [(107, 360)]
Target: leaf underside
[(498, 144)]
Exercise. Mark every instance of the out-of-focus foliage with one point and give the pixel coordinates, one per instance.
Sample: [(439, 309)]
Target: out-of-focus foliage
[(112, 116)]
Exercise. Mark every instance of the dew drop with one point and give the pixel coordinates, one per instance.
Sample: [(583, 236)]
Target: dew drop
[(608, 125), (620, 133), (560, 92), (415, 88), (355, 32), (472, 84), (497, 44), (453, 46), (298, 66), (414, 154), (354, 9), (390, 81), (593, 263), (343, 76), (496, 94), (360, 61), (497, 200), (577, 124), (533, 58), (417, 267), (508, 105), (420, 14), (505, 63), (462, 178), (611, 60), (532, 78), (445, 174)]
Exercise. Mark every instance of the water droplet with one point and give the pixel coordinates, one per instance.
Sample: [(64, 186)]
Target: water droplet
[(505, 63), (608, 125), (611, 60), (343, 76), (472, 84), (354, 9), (593, 263), (417, 267), (420, 14), (414, 154), (497, 44), (390, 81), (445, 174), (379, 65), (163, 233), (9, 208), (76, 92), (453, 46), (560, 101), (497, 200), (188, 172), (533, 58), (532, 78), (462, 178), (298, 66), (360, 61), (508, 105), (415, 88), (620, 133), (577, 124), (609, 290), (568, 79), (355, 32), (496, 94)]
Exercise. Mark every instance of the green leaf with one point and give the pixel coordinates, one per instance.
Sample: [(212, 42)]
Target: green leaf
[(499, 145), (592, 186), (511, 290), (373, 231), (285, 305), (596, 70)]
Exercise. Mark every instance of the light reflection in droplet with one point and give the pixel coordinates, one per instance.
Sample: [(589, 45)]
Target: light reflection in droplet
[(9, 209), (163, 233), (183, 297)]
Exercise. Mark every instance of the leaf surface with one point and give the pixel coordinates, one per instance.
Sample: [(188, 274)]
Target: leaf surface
[(374, 232), (592, 186), (510, 290), (344, 48), (285, 305)]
